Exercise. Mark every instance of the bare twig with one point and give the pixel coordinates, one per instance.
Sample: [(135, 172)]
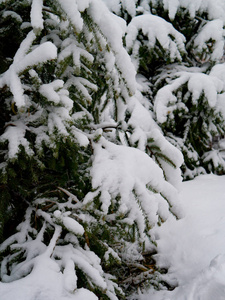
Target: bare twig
[(73, 197)]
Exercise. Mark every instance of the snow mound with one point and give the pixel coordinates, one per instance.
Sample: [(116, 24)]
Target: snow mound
[(193, 248)]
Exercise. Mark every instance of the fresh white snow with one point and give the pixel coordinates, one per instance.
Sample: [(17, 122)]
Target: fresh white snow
[(212, 30), (193, 248), (155, 29), (198, 83), (36, 15)]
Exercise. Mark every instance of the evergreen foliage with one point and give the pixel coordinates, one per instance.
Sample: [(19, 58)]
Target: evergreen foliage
[(178, 47), (193, 118), (85, 171), (97, 107)]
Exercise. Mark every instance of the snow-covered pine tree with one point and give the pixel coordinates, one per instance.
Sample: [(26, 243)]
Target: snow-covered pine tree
[(179, 48), (189, 95), (75, 177)]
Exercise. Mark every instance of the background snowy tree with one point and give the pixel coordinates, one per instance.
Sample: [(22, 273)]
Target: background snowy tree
[(179, 48), (85, 171), (189, 94)]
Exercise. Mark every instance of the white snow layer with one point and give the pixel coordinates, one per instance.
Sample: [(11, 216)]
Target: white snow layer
[(45, 282), (212, 31), (120, 170), (156, 29), (113, 29), (193, 248), (70, 224), (198, 84), (71, 9), (215, 8), (23, 60), (36, 15), (15, 137)]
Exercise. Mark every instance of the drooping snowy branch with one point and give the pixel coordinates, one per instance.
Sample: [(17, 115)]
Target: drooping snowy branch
[(198, 84), (127, 173), (24, 60), (193, 7), (156, 30), (209, 43)]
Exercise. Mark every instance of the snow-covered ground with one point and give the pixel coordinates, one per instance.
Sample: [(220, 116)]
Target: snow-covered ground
[(193, 248)]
